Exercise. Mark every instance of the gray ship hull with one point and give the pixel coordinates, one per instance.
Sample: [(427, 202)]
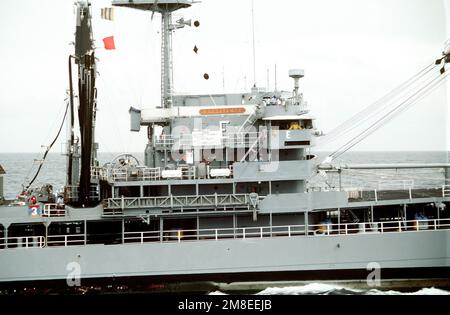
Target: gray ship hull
[(326, 258)]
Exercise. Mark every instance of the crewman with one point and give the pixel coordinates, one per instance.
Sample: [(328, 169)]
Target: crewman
[(295, 126)]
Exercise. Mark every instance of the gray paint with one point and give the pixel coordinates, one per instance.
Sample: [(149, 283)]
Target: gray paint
[(279, 138), (2, 173), (135, 119), (272, 111), (2, 196), (297, 203), (392, 250), (19, 214), (273, 171), (209, 100)]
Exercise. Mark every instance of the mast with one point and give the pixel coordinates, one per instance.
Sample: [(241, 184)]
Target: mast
[(254, 43), (87, 94), (165, 8), (166, 59)]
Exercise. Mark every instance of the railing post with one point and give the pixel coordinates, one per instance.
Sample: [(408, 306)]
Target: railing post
[(142, 237), (417, 225), (161, 230), (5, 236), (382, 227), (289, 230), (364, 228), (65, 240), (179, 236), (262, 236), (410, 194), (435, 225), (85, 232), (243, 233), (123, 231), (217, 234), (26, 242), (346, 229), (376, 196), (399, 226)]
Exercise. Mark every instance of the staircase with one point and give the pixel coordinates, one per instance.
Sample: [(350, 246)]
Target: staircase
[(347, 216), (251, 119)]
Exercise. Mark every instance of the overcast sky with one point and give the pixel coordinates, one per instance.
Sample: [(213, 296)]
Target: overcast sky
[(353, 52)]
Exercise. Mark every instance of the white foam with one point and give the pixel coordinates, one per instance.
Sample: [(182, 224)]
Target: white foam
[(323, 288), (430, 291), (218, 293), (313, 288), (426, 291)]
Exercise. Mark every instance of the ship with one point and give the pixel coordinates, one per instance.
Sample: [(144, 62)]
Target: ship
[(222, 201)]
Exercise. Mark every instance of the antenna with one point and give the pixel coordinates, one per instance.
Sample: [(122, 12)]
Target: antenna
[(223, 78), (254, 46), (276, 83)]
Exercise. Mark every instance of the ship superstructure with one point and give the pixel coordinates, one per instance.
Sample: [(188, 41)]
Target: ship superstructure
[(223, 195)]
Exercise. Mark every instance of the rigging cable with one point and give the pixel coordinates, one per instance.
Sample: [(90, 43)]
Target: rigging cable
[(377, 125), (387, 97), (49, 148), (407, 103), (366, 114)]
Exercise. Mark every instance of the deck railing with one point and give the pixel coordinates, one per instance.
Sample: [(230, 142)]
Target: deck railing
[(241, 233), (179, 202), (22, 242), (186, 172), (71, 193), (359, 194), (54, 211), (445, 191), (66, 240), (230, 140)]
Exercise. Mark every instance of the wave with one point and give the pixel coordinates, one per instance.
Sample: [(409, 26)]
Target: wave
[(329, 289)]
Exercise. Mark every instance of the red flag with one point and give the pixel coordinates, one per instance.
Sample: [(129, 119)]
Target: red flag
[(109, 43)]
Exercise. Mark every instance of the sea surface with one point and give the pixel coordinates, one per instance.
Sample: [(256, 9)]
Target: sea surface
[(20, 168)]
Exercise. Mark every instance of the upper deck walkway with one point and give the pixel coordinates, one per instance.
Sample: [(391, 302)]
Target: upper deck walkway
[(409, 194), (239, 233)]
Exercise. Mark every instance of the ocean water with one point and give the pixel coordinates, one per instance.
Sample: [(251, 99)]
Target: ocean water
[(20, 168)]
